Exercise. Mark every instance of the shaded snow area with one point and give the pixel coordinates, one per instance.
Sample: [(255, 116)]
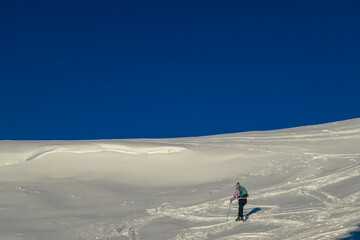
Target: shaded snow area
[(304, 183)]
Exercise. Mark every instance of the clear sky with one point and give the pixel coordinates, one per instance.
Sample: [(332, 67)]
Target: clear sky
[(159, 69)]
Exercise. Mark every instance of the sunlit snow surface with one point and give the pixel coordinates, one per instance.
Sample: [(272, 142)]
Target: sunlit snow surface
[(304, 183)]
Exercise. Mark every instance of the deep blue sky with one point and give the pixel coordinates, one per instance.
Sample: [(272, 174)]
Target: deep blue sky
[(154, 69)]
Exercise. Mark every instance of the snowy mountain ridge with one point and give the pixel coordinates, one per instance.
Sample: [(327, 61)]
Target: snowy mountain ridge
[(299, 179)]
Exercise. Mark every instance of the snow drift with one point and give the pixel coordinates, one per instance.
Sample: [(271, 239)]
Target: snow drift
[(299, 180)]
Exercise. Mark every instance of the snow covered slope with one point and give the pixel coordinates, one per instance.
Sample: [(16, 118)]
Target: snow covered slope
[(304, 183)]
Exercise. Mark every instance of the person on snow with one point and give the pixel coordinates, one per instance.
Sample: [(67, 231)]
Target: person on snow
[(241, 195)]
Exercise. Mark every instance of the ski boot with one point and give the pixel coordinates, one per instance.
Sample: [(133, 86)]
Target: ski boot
[(238, 219)]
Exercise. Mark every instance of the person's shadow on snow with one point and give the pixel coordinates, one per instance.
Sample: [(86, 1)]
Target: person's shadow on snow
[(255, 210)]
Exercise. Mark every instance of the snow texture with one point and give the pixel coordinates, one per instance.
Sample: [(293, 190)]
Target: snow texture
[(304, 183)]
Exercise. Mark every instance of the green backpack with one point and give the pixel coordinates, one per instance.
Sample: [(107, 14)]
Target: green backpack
[(242, 191)]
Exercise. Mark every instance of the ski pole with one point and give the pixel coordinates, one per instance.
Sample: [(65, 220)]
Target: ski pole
[(227, 217)]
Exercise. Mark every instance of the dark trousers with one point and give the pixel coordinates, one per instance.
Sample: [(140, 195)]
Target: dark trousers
[(242, 203)]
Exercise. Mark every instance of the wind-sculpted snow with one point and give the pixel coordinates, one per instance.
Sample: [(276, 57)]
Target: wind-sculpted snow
[(11, 155), (304, 183)]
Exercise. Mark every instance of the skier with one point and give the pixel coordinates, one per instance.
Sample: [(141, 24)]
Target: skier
[(240, 194)]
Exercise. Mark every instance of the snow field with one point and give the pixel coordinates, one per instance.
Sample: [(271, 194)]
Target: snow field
[(299, 181)]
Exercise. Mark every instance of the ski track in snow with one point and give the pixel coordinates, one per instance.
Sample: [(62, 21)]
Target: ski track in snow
[(307, 222)]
